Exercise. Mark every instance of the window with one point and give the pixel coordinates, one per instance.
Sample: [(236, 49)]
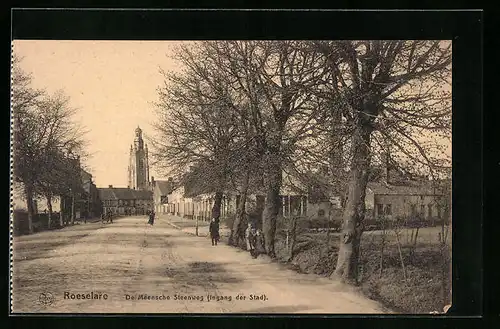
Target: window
[(429, 211), (438, 212), (380, 209), (388, 209), (422, 210), (321, 213)]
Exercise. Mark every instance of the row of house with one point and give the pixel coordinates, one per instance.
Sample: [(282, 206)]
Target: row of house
[(125, 201), (384, 197)]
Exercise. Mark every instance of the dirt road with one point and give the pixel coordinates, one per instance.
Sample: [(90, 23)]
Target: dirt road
[(131, 267)]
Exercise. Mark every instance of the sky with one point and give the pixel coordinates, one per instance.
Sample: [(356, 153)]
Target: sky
[(111, 83)]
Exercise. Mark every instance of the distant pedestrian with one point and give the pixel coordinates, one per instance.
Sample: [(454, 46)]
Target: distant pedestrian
[(151, 218), (214, 231)]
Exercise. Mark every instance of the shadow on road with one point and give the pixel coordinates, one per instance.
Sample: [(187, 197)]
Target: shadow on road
[(200, 274), (40, 247)]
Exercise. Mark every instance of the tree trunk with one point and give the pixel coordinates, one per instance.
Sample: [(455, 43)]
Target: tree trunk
[(217, 205), (29, 204), (61, 212), (237, 233), (49, 207), (273, 204), (413, 245), (354, 211)]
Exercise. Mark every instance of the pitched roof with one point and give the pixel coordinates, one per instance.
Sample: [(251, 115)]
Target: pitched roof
[(164, 186), (410, 188), (123, 193), (85, 175), (106, 194), (142, 194)]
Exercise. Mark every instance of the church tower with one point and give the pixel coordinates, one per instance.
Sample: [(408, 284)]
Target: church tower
[(138, 168)]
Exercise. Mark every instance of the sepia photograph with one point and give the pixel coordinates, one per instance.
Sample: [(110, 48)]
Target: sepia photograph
[(231, 176)]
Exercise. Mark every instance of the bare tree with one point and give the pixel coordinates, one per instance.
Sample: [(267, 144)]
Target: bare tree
[(27, 134), (197, 124), (390, 91), (274, 77), (43, 127)]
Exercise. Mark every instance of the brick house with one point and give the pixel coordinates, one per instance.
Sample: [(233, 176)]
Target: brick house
[(125, 201)]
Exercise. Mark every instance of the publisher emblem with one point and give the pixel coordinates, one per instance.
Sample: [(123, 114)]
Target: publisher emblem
[(46, 298)]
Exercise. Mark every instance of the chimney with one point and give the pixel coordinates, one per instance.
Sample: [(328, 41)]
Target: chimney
[(110, 186)]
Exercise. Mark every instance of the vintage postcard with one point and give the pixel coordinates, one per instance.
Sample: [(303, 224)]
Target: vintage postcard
[(233, 176)]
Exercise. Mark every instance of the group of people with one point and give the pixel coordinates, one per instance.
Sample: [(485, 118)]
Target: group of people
[(254, 240), (107, 216), (253, 237)]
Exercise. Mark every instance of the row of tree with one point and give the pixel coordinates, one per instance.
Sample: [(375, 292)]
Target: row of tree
[(247, 111), (47, 144)]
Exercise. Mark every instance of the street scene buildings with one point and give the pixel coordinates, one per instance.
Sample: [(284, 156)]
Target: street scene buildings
[(241, 177)]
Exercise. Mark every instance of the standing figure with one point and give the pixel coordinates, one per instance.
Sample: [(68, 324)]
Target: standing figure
[(214, 231), (151, 218), (251, 237)]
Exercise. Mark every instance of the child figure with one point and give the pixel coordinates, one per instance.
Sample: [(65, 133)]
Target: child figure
[(251, 237)]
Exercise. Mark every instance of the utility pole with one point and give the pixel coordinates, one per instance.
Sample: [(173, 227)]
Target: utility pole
[(197, 225), (72, 207), (88, 201)]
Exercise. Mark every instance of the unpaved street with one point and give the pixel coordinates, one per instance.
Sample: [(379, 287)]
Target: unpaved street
[(159, 269)]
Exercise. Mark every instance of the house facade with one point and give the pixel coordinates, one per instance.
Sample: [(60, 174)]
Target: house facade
[(125, 201), (90, 203), (161, 191), (393, 201), (391, 198)]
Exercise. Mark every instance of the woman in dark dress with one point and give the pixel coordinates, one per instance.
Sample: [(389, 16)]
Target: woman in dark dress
[(214, 231), (151, 218)]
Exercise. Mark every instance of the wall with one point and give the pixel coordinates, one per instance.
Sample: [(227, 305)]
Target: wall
[(198, 207), (159, 208), (126, 207), (401, 205)]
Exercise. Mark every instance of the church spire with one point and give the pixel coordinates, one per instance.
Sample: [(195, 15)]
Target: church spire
[(139, 166)]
